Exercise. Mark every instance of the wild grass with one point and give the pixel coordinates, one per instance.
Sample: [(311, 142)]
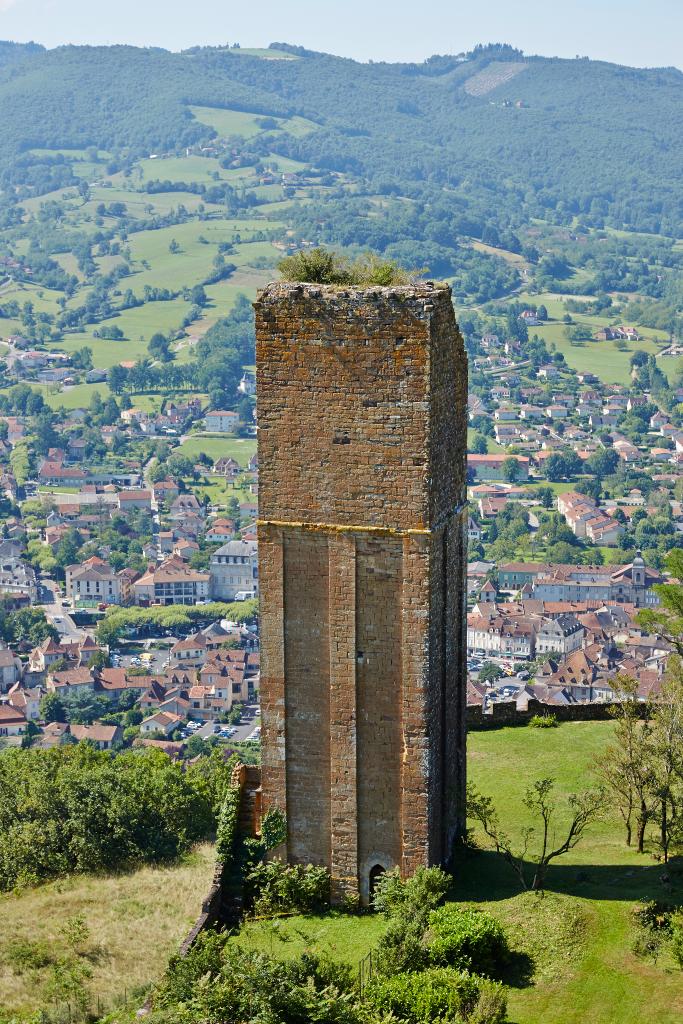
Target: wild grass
[(579, 935), (135, 920)]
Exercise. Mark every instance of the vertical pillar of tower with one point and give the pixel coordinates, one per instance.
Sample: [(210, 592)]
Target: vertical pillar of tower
[(415, 802), (274, 758), (455, 738), (343, 812)]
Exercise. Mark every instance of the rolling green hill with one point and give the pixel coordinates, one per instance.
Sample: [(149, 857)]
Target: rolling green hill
[(542, 133), (142, 191)]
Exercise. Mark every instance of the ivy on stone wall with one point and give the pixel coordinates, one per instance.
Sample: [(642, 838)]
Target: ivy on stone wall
[(226, 832)]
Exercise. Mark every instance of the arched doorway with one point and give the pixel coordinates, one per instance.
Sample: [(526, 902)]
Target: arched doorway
[(376, 873)]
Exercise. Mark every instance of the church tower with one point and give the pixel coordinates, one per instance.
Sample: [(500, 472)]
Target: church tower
[(362, 406)]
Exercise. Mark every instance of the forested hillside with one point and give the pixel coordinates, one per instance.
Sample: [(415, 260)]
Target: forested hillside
[(523, 135), (145, 195)]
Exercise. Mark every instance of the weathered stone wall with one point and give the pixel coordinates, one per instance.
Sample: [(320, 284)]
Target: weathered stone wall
[(362, 399), (506, 713), (222, 905)]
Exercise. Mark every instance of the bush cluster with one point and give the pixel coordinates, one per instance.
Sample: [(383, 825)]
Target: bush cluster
[(440, 994), (432, 958), (218, 981), (75, 809), (278, 888), (656, 927), (428, 969), (320, 266), (543, 722), (467, 939)]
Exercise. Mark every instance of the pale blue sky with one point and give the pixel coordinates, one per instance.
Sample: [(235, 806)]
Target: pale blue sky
[(637, 32)]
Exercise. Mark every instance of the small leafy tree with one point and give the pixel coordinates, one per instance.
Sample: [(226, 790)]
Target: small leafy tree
[(51, 708), (667, 760), (490, 672), (667, 617), (511, 469), (626, 769), (538, 800)]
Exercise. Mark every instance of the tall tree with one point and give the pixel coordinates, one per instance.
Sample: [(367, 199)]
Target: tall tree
[(626, 767)]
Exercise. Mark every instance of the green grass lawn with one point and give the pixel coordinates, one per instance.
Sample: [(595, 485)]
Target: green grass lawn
[(194, 261), (288, 937), (229, 122), (216, 447), (491, 444), (138, 325), (136, 202), (578, 937), (44, 299), (219, 491), (592, 889), (598, 357), (76, 397), (186, 168)]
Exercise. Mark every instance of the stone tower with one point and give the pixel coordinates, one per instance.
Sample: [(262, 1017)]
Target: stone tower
[(362, 403)]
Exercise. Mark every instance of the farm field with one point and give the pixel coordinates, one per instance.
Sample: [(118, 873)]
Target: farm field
[(121, 911), (598, 357), (75, 397), (578, 935), (610, 364), (138, 202), (230, 122), (217, 447), (138, 325)]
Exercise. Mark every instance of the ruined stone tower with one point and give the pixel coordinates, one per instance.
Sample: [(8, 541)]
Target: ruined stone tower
[(362, 403)]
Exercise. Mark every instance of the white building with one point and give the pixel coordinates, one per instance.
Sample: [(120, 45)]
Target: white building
[(221, 422), (234, 570)]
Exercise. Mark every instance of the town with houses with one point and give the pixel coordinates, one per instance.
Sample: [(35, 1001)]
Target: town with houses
[(576, 496)]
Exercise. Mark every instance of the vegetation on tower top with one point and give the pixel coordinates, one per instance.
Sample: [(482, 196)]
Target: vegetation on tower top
[(320, 266)]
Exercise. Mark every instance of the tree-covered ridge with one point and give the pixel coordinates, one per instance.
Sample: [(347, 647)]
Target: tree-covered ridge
[(578, 136)]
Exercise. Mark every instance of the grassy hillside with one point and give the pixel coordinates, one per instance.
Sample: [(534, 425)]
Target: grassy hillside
[(597, 978), (576, 940), (136, 921)]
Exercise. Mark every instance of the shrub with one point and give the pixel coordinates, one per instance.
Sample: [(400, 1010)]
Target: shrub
[(27, 955), (440, 995), (491, 1005), (218, 981), (410, 897), (278, 887), (407, 903), (467, 939), (654, 925), (226, 830), (319, 266), (401, 948), (543, 722)]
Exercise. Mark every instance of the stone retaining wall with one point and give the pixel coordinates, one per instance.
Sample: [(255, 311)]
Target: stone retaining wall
[(507, 713)]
